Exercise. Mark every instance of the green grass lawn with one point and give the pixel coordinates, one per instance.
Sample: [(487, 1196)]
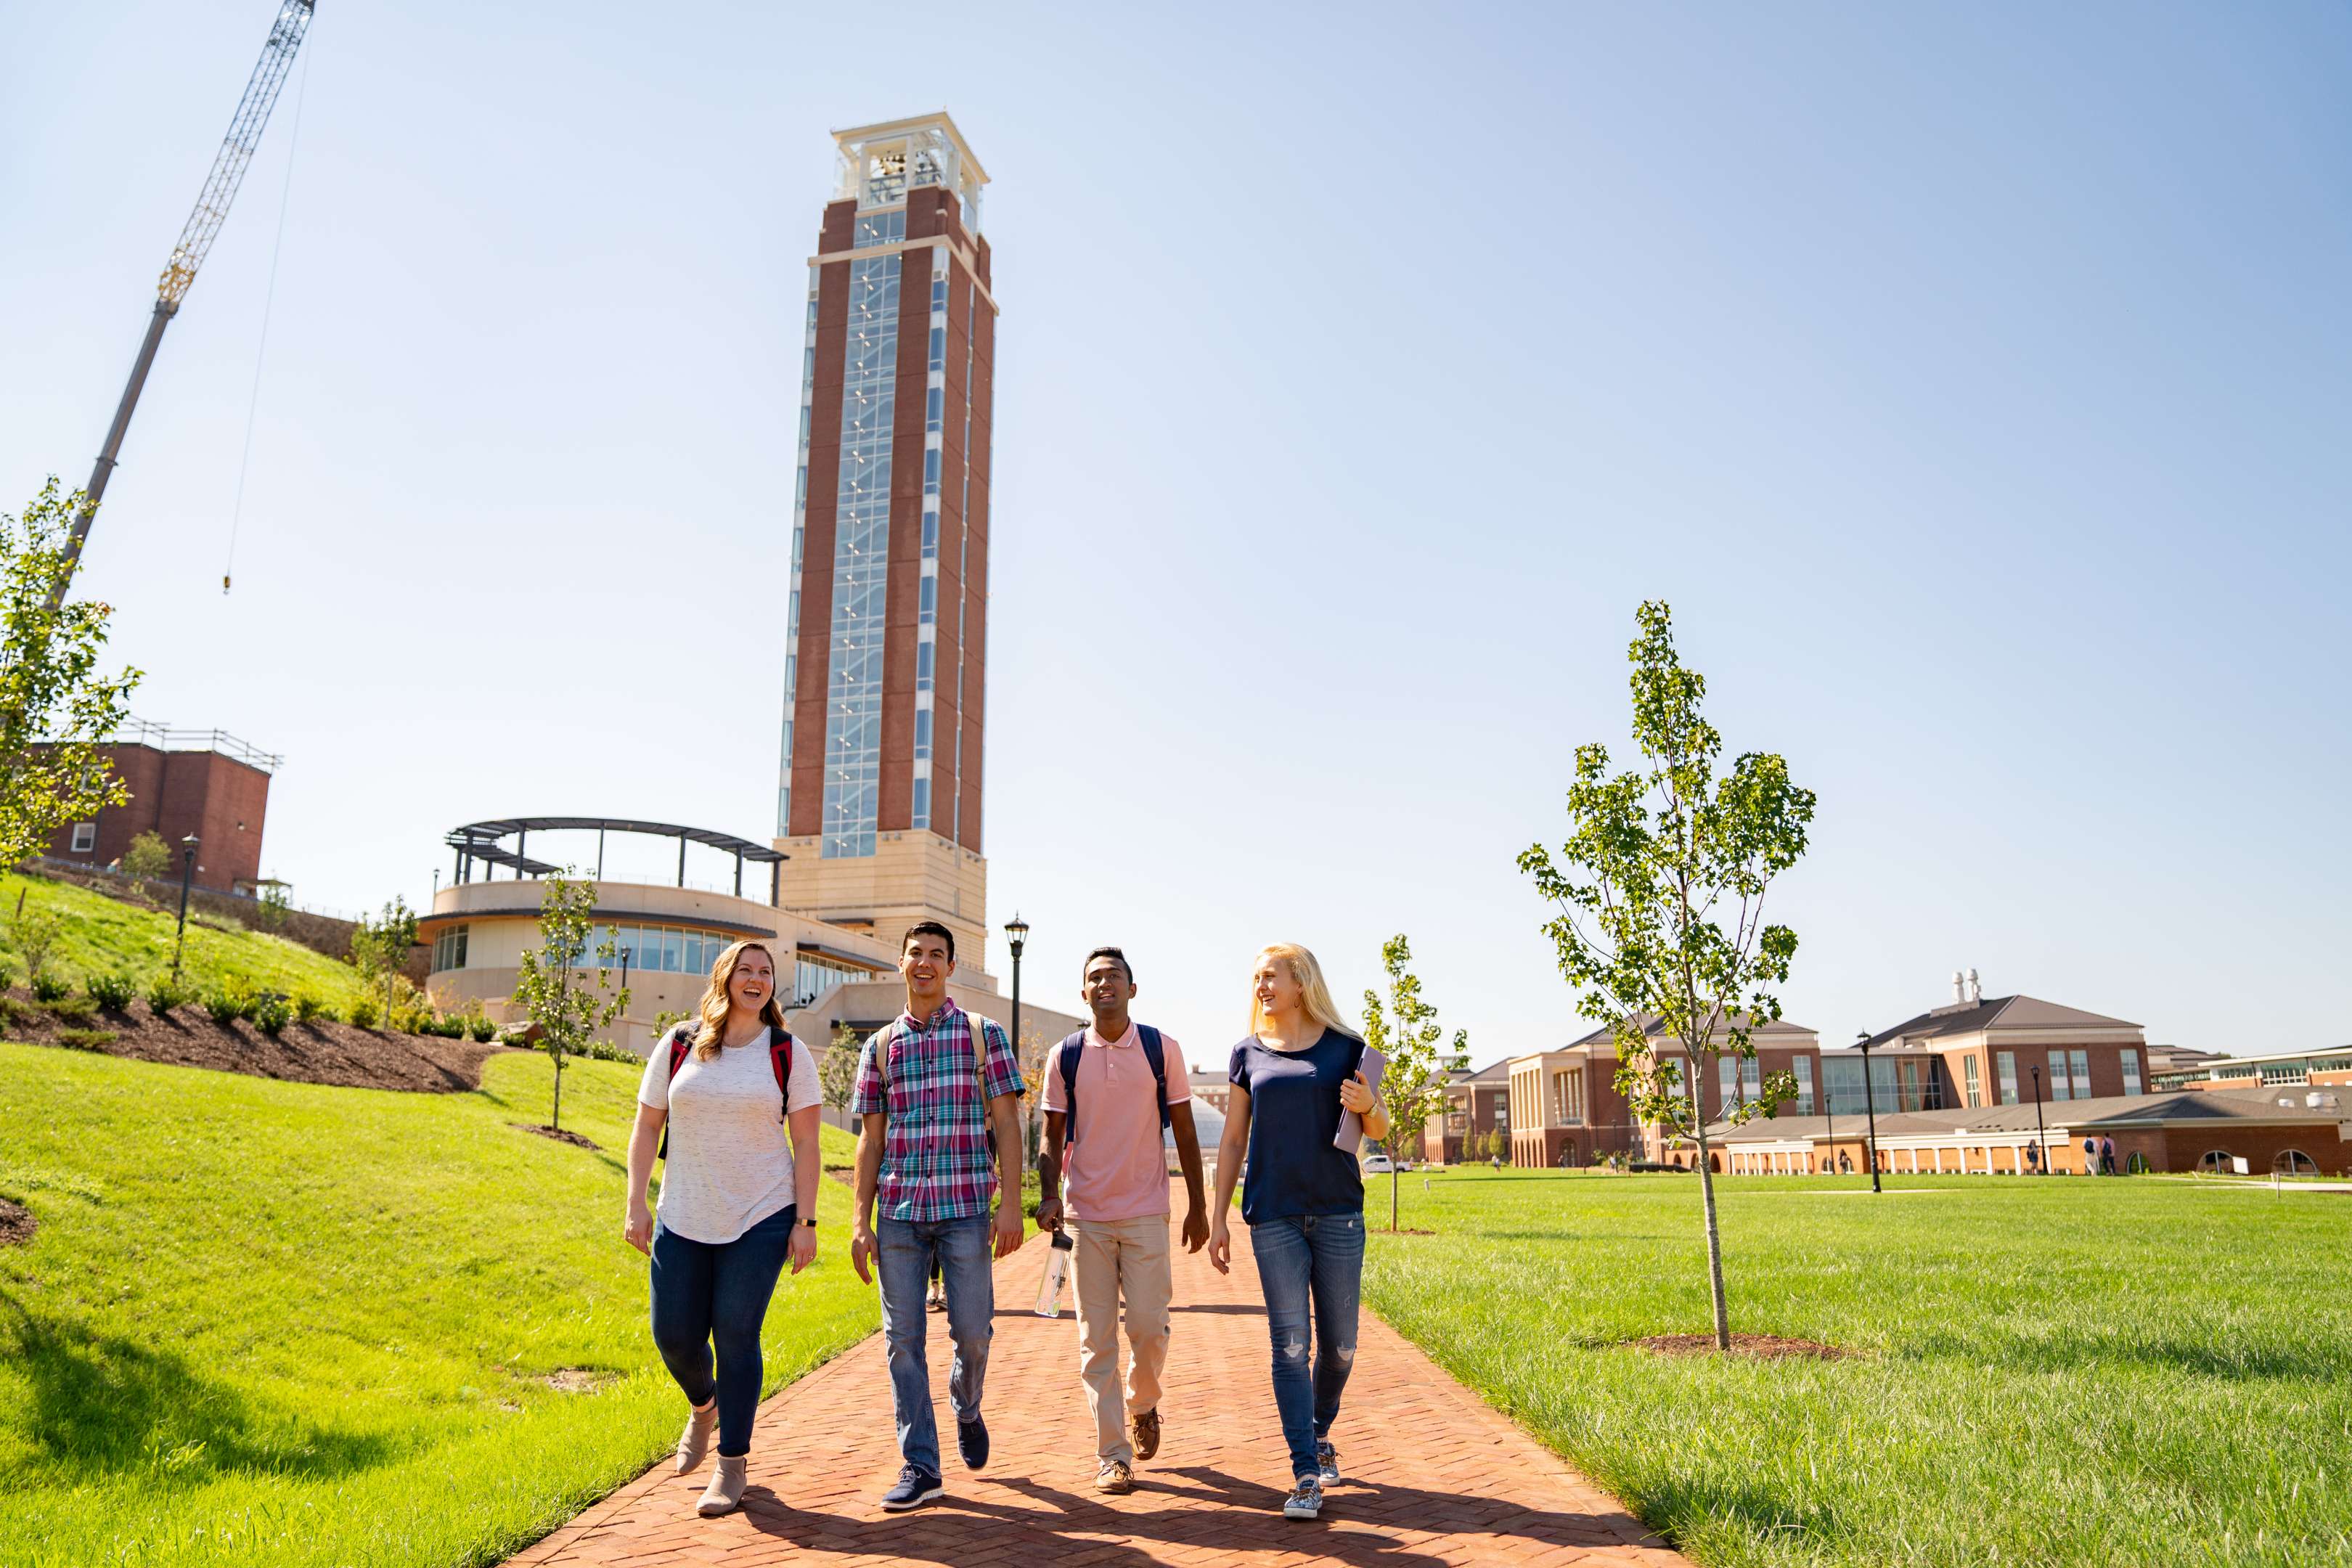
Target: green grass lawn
[(277, 1323), (105, 936), (2060, 1372)]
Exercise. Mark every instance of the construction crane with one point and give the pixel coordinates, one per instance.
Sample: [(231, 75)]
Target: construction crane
[(195, 242)]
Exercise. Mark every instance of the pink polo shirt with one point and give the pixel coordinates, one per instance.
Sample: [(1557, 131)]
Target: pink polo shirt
[(1116, 1168)]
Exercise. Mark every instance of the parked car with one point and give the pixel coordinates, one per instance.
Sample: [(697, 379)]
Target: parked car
[(1376, 1164)]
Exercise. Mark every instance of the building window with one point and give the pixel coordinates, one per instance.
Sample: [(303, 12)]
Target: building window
[(2005, 1068), (2058, 1088), (2082, 1060), (449, 948), (2131, 1070), (1803, 1068), (85, 837), (1727, 1083), (1568, 1099), (1975, 1088)]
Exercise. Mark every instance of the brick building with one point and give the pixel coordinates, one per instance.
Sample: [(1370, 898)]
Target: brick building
[(2329, 1069), (2298, 1130), (2005, 1050), (182, 782), (878, 800), (1476, 1104), (1564, 1108)]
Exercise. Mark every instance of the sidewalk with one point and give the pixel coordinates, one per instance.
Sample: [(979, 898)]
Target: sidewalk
[(1433, 1474)]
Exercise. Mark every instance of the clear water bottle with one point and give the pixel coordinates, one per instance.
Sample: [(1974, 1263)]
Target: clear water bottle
[(1058, 1269)]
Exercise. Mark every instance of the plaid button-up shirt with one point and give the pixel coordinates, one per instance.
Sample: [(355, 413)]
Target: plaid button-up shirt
[(935, 1162)]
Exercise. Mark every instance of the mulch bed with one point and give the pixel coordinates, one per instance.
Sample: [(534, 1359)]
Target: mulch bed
[(338, 1053), (1767, 1347), (16, 1224), (564, 1135)]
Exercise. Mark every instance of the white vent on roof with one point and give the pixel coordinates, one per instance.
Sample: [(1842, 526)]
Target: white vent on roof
[(1959, 989), (1976, 989)]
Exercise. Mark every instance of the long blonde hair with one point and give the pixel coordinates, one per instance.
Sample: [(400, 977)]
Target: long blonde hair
[(715, 1006), (1314, 995)]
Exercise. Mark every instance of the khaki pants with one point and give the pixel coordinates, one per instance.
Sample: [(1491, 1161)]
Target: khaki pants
[(1115, 1257)]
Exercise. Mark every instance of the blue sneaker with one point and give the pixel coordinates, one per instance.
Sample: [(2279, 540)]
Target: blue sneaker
[(971, 1442), (914, 1489), (1305, 1499), (1327, 1462)]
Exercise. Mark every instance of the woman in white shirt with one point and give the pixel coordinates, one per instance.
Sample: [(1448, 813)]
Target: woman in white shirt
[(736, 1199)]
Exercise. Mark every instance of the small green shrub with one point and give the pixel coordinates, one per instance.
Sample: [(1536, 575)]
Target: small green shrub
[(605, 1052), (481, 1028), (308, 1009), (86, 1040), (272, 1013), (363, 1012), (228, 1002), (111, 991), (163, 993), (51, 986), (70, 1009)]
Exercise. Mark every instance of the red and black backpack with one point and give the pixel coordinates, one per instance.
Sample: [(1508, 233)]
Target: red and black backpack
[(780, 1059)]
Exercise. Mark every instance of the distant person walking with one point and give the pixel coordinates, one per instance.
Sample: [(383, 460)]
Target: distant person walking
[(2090, 1156), (720, 1094), (2108, 1156), (1108, 1089), (938, 1093), (1293, 1077)]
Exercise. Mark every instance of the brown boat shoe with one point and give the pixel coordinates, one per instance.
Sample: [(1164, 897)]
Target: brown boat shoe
[(1146, 1433)]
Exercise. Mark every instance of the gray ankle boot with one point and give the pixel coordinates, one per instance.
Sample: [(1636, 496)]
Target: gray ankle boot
[(694, 1441), (726, 1489)]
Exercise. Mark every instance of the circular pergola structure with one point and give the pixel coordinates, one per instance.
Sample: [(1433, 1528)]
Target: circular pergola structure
[(483, 844)]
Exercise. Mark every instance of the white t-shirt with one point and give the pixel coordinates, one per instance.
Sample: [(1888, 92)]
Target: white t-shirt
[(730, 1160)]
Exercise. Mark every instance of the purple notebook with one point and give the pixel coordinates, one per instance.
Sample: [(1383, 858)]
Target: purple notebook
[(1350, 1135)]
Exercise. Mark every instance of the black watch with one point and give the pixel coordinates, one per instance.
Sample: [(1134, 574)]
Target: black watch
[(810, 1224)]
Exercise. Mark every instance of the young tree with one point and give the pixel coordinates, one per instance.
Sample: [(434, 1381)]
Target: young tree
[(148, 859), (1412, 1085), (1660, 887), (379, 952), (567, 1009), (836, 1071), (56, 710)]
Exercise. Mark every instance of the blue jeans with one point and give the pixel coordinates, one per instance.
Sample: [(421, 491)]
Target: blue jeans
[(908, 1250), (714, 1296), (1301, 1257)]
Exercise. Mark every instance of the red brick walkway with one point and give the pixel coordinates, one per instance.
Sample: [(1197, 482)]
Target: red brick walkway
[(1433, 1474)]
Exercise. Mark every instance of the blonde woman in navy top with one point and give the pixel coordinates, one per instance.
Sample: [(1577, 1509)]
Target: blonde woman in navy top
[(1295, 1075)]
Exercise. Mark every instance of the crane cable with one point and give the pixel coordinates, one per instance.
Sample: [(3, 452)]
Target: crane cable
[(268, 301)]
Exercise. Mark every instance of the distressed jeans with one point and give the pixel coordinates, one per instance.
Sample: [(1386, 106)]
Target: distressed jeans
[(1311, 1268), (908, 1246), (709, 1302)]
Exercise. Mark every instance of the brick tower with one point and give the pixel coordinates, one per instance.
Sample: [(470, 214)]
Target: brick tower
[(878, 804)]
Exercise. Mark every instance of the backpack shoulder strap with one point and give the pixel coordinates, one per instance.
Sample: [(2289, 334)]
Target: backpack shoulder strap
[(1155, 1053), (780, 1056), (681, 1041), (1067, 1056)]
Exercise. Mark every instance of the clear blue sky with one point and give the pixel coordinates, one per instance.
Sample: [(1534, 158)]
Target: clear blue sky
[(1972, 379)]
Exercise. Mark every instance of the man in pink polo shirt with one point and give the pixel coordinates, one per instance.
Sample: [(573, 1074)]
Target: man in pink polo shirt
[(1103, 1099)]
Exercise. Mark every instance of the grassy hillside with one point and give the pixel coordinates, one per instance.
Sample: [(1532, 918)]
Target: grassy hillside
[(104, 935), (269, 1322), (2133, 1371)]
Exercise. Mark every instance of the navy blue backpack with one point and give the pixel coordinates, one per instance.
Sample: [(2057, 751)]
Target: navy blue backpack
[(1067, 1056)]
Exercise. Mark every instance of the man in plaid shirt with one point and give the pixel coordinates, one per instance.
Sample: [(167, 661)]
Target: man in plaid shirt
[(929, 1096)]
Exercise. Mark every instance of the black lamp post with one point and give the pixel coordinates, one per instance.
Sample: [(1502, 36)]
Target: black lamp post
[(1870, 1108), (1016, 935), (187, 876), (2041, 1138), (625, 968)]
